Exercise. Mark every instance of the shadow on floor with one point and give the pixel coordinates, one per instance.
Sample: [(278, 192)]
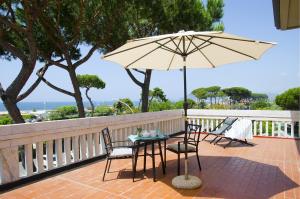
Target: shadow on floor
[(225, 177)]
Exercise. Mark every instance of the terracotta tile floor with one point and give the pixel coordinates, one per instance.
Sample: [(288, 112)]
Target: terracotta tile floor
[(270, 169)]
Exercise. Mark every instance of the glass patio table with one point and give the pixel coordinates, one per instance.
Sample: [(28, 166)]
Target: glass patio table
[(139, 141)]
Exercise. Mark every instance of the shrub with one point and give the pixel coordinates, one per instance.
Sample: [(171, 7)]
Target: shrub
[(103, 111), (160, 106), (63, 112), (260, 105), (219, 106), (121, 106), (289, 100), (179, 104), (5, 119)]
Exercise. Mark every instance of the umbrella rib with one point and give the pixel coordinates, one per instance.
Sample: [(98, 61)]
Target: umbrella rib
[(204, 55), (168, 49), (108, 55), (177, 46), (189, 43), (171, 61), (148, 53), (200, 46), (228, 48), (246, 40)]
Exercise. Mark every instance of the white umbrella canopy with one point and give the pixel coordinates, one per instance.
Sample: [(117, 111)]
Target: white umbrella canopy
[(202, 50), (187, 50)]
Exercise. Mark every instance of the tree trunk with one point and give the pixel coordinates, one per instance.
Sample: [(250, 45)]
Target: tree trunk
[(145, 91), (12, 109), (90, 100), (9, 97), (77, 93)]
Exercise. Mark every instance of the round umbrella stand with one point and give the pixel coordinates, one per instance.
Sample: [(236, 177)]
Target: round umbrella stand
[(191, 182)]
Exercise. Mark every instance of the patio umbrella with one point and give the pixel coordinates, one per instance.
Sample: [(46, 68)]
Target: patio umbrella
[(187, 50)]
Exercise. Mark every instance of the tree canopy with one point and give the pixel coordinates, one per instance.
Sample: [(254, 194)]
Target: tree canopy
[(237, 94), (157, 94), (124, 105), (290, 99), (259, 96), (88, 82)]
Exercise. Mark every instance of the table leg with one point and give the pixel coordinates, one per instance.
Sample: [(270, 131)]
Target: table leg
[(135, 159), (161, 157), (153, 162), (145, 156)]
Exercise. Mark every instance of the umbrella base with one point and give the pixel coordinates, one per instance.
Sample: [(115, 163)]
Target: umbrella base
[(192, 182)]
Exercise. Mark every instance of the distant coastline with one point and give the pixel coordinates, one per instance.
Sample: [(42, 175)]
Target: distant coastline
[(37, 106)]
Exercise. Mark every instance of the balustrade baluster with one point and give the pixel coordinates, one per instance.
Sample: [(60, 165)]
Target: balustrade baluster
[(285, 129), (67, 150), (58, 152), (96, 143), (267, 128), (28, 159), (75, 148), (273, 128), (83, 147), (40, 157), (90, 145), (292, 129), (49, 154)]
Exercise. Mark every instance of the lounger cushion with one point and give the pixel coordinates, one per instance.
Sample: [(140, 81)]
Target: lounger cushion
[(174, 147), (121, 152)]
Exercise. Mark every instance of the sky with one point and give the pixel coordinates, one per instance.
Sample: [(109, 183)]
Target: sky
[(277, 71)]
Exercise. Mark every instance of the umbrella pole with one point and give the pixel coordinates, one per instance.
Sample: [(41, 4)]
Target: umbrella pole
[(185, 107), (186, 181)]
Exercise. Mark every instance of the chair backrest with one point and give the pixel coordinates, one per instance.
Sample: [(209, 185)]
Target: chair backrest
[(107, 140), (194, 132), (225, 124)]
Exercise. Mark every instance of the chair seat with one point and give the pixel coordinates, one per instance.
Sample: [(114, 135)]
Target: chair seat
[(121, 152), (174, 147)]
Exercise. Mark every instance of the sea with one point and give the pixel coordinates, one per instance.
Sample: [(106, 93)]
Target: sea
[(35, 106)]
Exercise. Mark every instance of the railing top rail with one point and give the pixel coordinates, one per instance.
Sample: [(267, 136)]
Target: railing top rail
[(54, 127), (292, 115)]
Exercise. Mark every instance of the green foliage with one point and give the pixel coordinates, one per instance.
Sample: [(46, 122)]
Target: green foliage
[(63, 112), (157, 94), (259, 96), (5, 119), (200, 93), (219, 106), (260, 105), (123, 106), (179, 104), (90, 81), (237, 94), (103, 111), (190, 15), (160, 106), (28, 116), (289, 100)]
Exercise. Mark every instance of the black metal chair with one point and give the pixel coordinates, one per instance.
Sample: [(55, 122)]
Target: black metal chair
[(193, 139), (221, 128), (115, 152)]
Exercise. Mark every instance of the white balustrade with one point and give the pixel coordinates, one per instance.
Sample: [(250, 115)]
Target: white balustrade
[(282, 123), (49, 145)]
